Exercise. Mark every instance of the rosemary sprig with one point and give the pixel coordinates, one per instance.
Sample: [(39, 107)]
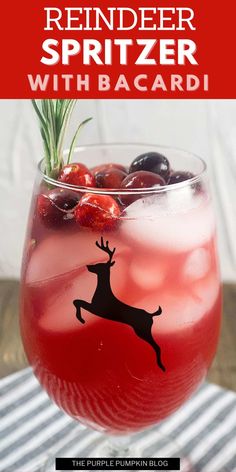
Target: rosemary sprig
[(54, 118)]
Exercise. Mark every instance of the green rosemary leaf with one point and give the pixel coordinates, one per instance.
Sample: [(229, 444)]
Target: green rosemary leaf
[(40, 116), (46, 152), (67, 112), (45, 106), (45, 142), (73, 143), (59, 107), (54, 117), (68, 107), (59, 104), (53, 134), (45, 135)]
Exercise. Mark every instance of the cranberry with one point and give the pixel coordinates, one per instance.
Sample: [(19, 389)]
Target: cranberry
[(142, 179), (138, 180), (110, 178), (179, 176), (77, 174), (106, 167), (152, 162), (55, 207), (99, 212)]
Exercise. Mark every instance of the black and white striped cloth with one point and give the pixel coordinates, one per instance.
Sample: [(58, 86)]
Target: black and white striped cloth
[(31, 426)]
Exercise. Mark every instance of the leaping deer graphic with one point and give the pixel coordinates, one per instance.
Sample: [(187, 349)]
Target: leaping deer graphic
[(106, 305)]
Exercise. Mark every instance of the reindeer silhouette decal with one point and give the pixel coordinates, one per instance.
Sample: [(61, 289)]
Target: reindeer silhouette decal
[(106, 305)]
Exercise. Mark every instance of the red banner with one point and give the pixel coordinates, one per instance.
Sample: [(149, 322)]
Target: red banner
[(144, 49)]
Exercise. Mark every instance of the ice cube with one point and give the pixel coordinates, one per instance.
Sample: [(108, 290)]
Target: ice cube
[(181, 308), (148, 273), (197, 264), (205, 291), (63, 252), (119, 275), (153, 223), (57, 312), (180, 198)]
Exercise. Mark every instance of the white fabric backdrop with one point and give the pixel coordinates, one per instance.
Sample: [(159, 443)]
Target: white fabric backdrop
[(201, 126)]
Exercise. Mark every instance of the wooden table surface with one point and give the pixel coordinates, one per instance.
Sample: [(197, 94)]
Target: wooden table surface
[(12, 357)]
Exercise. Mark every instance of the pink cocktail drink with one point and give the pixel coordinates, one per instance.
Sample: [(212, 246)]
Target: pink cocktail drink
[(101, 367)]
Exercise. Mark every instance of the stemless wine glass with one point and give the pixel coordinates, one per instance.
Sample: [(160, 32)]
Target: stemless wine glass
[(121, 324)]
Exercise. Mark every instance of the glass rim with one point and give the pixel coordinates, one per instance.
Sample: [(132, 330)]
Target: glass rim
[(118, 191)]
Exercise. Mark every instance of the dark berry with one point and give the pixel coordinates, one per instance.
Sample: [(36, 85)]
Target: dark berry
[(110, 178), (106, 167), (77, 174), (139, 180), (142, 179), (151, 162), (179, 176), (55, 208), (99, 212)]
